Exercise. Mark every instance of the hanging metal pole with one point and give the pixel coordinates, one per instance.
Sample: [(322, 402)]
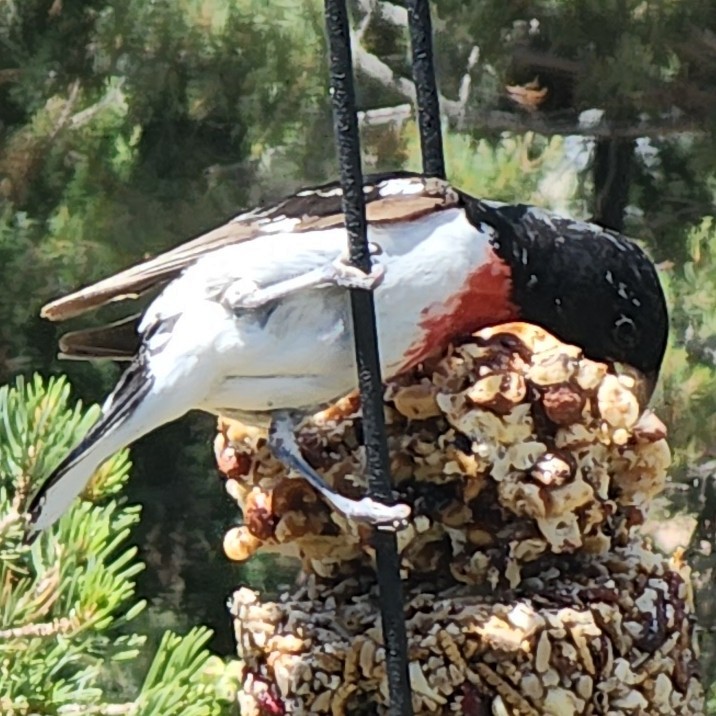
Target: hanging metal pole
[(421, 41), (366, 345)]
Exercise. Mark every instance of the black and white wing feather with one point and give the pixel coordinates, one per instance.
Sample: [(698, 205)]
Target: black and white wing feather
[(395, 197)]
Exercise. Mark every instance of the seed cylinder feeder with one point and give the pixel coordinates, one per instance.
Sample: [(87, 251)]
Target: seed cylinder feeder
[(521, 584)]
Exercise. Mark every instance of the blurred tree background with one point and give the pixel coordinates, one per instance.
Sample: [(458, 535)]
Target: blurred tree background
[(128, 127)]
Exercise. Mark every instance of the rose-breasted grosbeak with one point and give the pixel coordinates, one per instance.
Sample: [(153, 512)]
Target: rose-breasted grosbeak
[(254, 320)]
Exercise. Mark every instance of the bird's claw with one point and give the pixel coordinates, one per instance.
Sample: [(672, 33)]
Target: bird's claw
[(387, 518), (348, 276)]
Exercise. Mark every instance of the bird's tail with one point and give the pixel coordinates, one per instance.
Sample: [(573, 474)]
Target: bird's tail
[(124, 419)]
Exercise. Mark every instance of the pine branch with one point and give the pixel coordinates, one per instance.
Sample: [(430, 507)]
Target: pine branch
[(179, 663), (62, 626), (63, 600), (572, 123), (10, 708)]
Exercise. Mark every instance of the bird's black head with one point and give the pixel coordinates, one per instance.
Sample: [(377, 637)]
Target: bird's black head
[(589, 286)]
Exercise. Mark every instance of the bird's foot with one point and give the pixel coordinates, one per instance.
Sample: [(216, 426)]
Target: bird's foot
[(346, 275), (389, 518), (284, 446)]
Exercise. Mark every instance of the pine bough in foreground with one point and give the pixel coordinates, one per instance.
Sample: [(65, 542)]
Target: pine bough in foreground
[(66, 601)]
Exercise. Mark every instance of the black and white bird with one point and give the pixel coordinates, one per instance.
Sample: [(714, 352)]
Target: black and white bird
[(253, 320)]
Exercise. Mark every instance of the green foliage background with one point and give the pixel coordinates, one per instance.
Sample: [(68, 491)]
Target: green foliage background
[(127, 127)]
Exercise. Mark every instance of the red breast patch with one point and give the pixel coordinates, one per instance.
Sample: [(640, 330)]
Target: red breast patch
[(483, 300)]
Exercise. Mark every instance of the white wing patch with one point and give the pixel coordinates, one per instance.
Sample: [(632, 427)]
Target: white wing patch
[(280, 225), (546, 217), (393, 187)]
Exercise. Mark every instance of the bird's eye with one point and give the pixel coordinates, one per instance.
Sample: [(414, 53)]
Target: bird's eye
[(624, 331)]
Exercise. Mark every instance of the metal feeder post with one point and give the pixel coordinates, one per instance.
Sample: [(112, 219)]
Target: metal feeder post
[(362, 305), (366, 344), (421, 42)]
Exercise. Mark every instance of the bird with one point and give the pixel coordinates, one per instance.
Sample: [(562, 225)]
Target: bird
[(252, 320)]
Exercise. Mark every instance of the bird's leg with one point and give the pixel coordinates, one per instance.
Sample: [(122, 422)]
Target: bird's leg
[(247, 294), (283, 444)]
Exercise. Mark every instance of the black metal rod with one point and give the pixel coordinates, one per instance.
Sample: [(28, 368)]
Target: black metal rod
[(366, 346), (421, 41)]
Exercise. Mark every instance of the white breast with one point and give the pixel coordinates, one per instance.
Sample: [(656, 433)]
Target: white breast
[(428, 262)]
